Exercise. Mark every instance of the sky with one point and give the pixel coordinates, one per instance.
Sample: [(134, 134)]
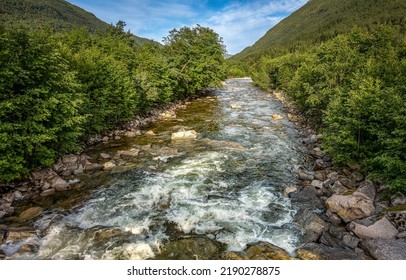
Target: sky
[(239, 23)]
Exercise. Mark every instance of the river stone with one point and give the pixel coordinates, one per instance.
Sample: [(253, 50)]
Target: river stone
[(234, 256), (47, 192), (195, 248), (289, 189), (150, 133), (350, 207), (319, 165), (235, 106), (312, 224), (317, 184), (105, 156), (277, 117), (31, 213), (367, 188), (314, 251), (59, 184), (131, 134), (338, 188), (19, 234), (184, 135), (306, 176), (307, 198), (350, 241), (381, 229), (93, 167), (385, 249), (266, 251), (8, 197)]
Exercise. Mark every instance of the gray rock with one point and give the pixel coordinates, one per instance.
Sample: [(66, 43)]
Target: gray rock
[(317, 184), (18, 195), (346, 181), (307, 198), (385, 249), (47, 192), (2, 214), (314, 251), (350, 207), (338, 188), (333, 218), (31, 213), (367, 188), (59, 184), (306, 176), (319, 165), (105, 156), (312, 224), (8, 197), (350, 241), (381, 229)]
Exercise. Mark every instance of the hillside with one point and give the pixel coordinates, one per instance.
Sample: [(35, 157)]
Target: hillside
[(320, 20), (57, 14)]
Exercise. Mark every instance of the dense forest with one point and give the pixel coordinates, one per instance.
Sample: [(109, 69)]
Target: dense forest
[(354, 89), (55, 88)]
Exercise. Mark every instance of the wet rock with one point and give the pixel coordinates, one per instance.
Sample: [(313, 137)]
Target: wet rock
[(350, 207), (398, 199), (307, 198), (350, 241), (109, 165), (266, 251), (306, 176), (314, 251), (233, 256), (105, 156), (31, 213), (381, 229), (47, 192), (16, 235), (290, 189), (367, 188), (107, 233), (312, 224), (195, 248), (132, 134), (127, 153), (385, 249), (277, 117), (184, 135), (235, 106), (93, 167)]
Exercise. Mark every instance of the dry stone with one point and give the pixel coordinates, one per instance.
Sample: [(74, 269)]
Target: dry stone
[(350, 207), (381, 229), (184, 135)]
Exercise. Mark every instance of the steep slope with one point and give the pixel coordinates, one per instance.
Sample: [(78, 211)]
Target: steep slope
[(320, 20), (57, 14)]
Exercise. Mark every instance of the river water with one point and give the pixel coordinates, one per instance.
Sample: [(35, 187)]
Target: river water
[(226, 186)]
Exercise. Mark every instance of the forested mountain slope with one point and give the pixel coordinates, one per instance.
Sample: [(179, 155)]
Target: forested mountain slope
[(320, 20)]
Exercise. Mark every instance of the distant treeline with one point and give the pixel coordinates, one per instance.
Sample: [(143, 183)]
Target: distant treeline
[(56, 88), (353, 88)]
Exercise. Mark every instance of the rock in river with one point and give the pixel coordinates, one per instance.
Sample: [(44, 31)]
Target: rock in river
[(184, 135)]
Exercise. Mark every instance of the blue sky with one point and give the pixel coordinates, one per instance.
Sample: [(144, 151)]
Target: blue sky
[(239, 23)]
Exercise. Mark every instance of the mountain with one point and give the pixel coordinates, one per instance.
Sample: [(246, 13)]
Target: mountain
[(320, 20), (58, 14)]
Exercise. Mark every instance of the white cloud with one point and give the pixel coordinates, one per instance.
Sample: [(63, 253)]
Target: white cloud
[(241, 25)]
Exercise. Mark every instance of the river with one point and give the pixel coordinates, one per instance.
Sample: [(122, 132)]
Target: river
[(226, 186)]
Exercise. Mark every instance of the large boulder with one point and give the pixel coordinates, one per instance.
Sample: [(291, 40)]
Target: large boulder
[(314, 251), (312, 224), (184, 135), (381, 229), (266, 251), (350, 207), (385, 249)]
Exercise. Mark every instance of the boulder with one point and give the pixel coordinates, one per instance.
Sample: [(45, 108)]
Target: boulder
[(350, 207), (31, 213), (367, 188), (59, 184), (307, 198), (314, 251), (312, 224), (381, 229), (385, 249), (350, 241), (317, 184), (266, 251), (93, 167), (184, 135), (194, 248), (306, 176)]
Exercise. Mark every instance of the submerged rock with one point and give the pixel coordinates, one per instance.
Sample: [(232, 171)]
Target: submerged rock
[(184, 135)]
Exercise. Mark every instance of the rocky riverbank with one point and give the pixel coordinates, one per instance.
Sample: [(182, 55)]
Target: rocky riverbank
[(344, 215)]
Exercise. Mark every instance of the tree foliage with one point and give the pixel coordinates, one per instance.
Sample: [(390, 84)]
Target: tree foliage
[(56, 88), (353, 87)]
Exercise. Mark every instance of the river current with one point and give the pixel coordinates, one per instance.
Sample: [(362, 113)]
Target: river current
[(226, 186)]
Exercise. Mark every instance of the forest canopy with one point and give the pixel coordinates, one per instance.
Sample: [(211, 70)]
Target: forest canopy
[(56, 88)]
